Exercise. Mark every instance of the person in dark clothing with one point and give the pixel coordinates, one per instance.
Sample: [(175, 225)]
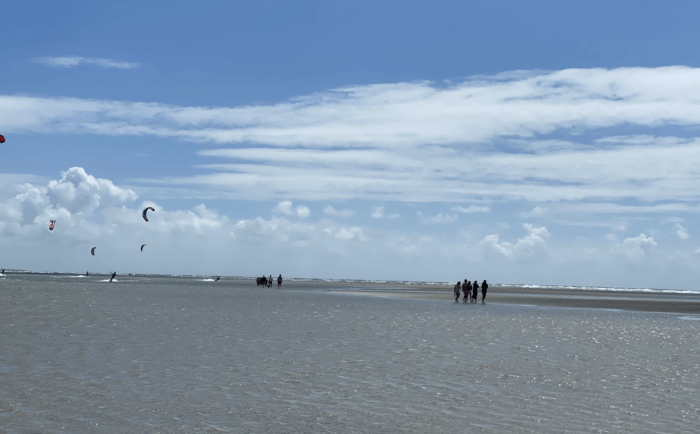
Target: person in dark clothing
[(114, 274), (484, 288), (458, 286), (466, 289), (279, 280), (475, 291)]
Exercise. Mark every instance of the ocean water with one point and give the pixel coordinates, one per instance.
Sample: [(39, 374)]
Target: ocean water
[(161, 355)]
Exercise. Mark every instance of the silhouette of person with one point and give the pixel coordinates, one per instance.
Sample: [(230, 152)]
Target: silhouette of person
[(279, 281), (458, 286), (484, 288), (475, 290)]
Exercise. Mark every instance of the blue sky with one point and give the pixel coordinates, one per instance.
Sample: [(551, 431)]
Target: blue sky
[(522, 142)]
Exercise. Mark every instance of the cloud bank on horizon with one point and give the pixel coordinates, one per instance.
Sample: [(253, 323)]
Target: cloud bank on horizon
[(612, 151), (92, 211)]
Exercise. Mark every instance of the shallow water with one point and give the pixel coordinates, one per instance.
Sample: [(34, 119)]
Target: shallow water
[(184, 355)]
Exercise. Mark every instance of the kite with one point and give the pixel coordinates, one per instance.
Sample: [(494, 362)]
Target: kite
[(143, 214)]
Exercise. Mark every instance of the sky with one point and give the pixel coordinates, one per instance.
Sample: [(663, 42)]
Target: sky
[(546, 143)]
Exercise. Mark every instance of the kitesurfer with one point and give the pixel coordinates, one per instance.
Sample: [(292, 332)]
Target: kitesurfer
[(484, 288), (279, 281), (217, 278), (87, 274), (114, 274)]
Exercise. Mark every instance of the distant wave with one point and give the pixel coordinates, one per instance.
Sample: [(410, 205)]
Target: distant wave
[(600, 288)]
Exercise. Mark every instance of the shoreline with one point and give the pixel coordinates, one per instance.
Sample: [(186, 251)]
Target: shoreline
[(684, 303)]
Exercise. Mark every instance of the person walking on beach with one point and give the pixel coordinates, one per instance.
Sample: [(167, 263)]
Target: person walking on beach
[(475, 291), (467, 289), (458, 286), (269, 283), (279, 281), (484, 288)]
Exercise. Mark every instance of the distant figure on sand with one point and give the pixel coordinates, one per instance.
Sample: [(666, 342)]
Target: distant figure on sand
[(484, 288), (467, 289), (261, 281), (114, 274), (475, 290), (279, 281), (458, 286)]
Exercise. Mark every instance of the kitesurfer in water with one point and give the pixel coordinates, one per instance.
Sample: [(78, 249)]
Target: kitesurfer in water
[(114, 274), (484, 288), (279, 281), (87, 274), (217, 278)]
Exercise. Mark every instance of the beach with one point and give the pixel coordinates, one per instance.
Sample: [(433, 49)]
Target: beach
[(155, 354), (628, 299)]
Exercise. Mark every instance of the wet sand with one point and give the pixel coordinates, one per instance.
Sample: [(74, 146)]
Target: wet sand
[(566, 298)]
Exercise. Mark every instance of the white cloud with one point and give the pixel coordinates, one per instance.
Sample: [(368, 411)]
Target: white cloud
[(530, 247), (285, 207), (471, 209), (91, 211), (638, 247), (71, 61), (329, 210), (537, 211), (682, 232), (440, 218), (377, 212), (407, 141), (394, 216)]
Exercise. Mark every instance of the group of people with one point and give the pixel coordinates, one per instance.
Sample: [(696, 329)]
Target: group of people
[(471, 290), (264, 281)]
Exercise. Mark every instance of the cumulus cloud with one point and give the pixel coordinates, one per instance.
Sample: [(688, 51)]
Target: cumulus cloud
[(285, 207), (638, 247), (530, 247), (439, 219), (394, 216), (377, 212), (94, 212), (72, 61), (329, 210)]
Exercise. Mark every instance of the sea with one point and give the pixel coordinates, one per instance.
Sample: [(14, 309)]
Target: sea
[(161, 354)]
